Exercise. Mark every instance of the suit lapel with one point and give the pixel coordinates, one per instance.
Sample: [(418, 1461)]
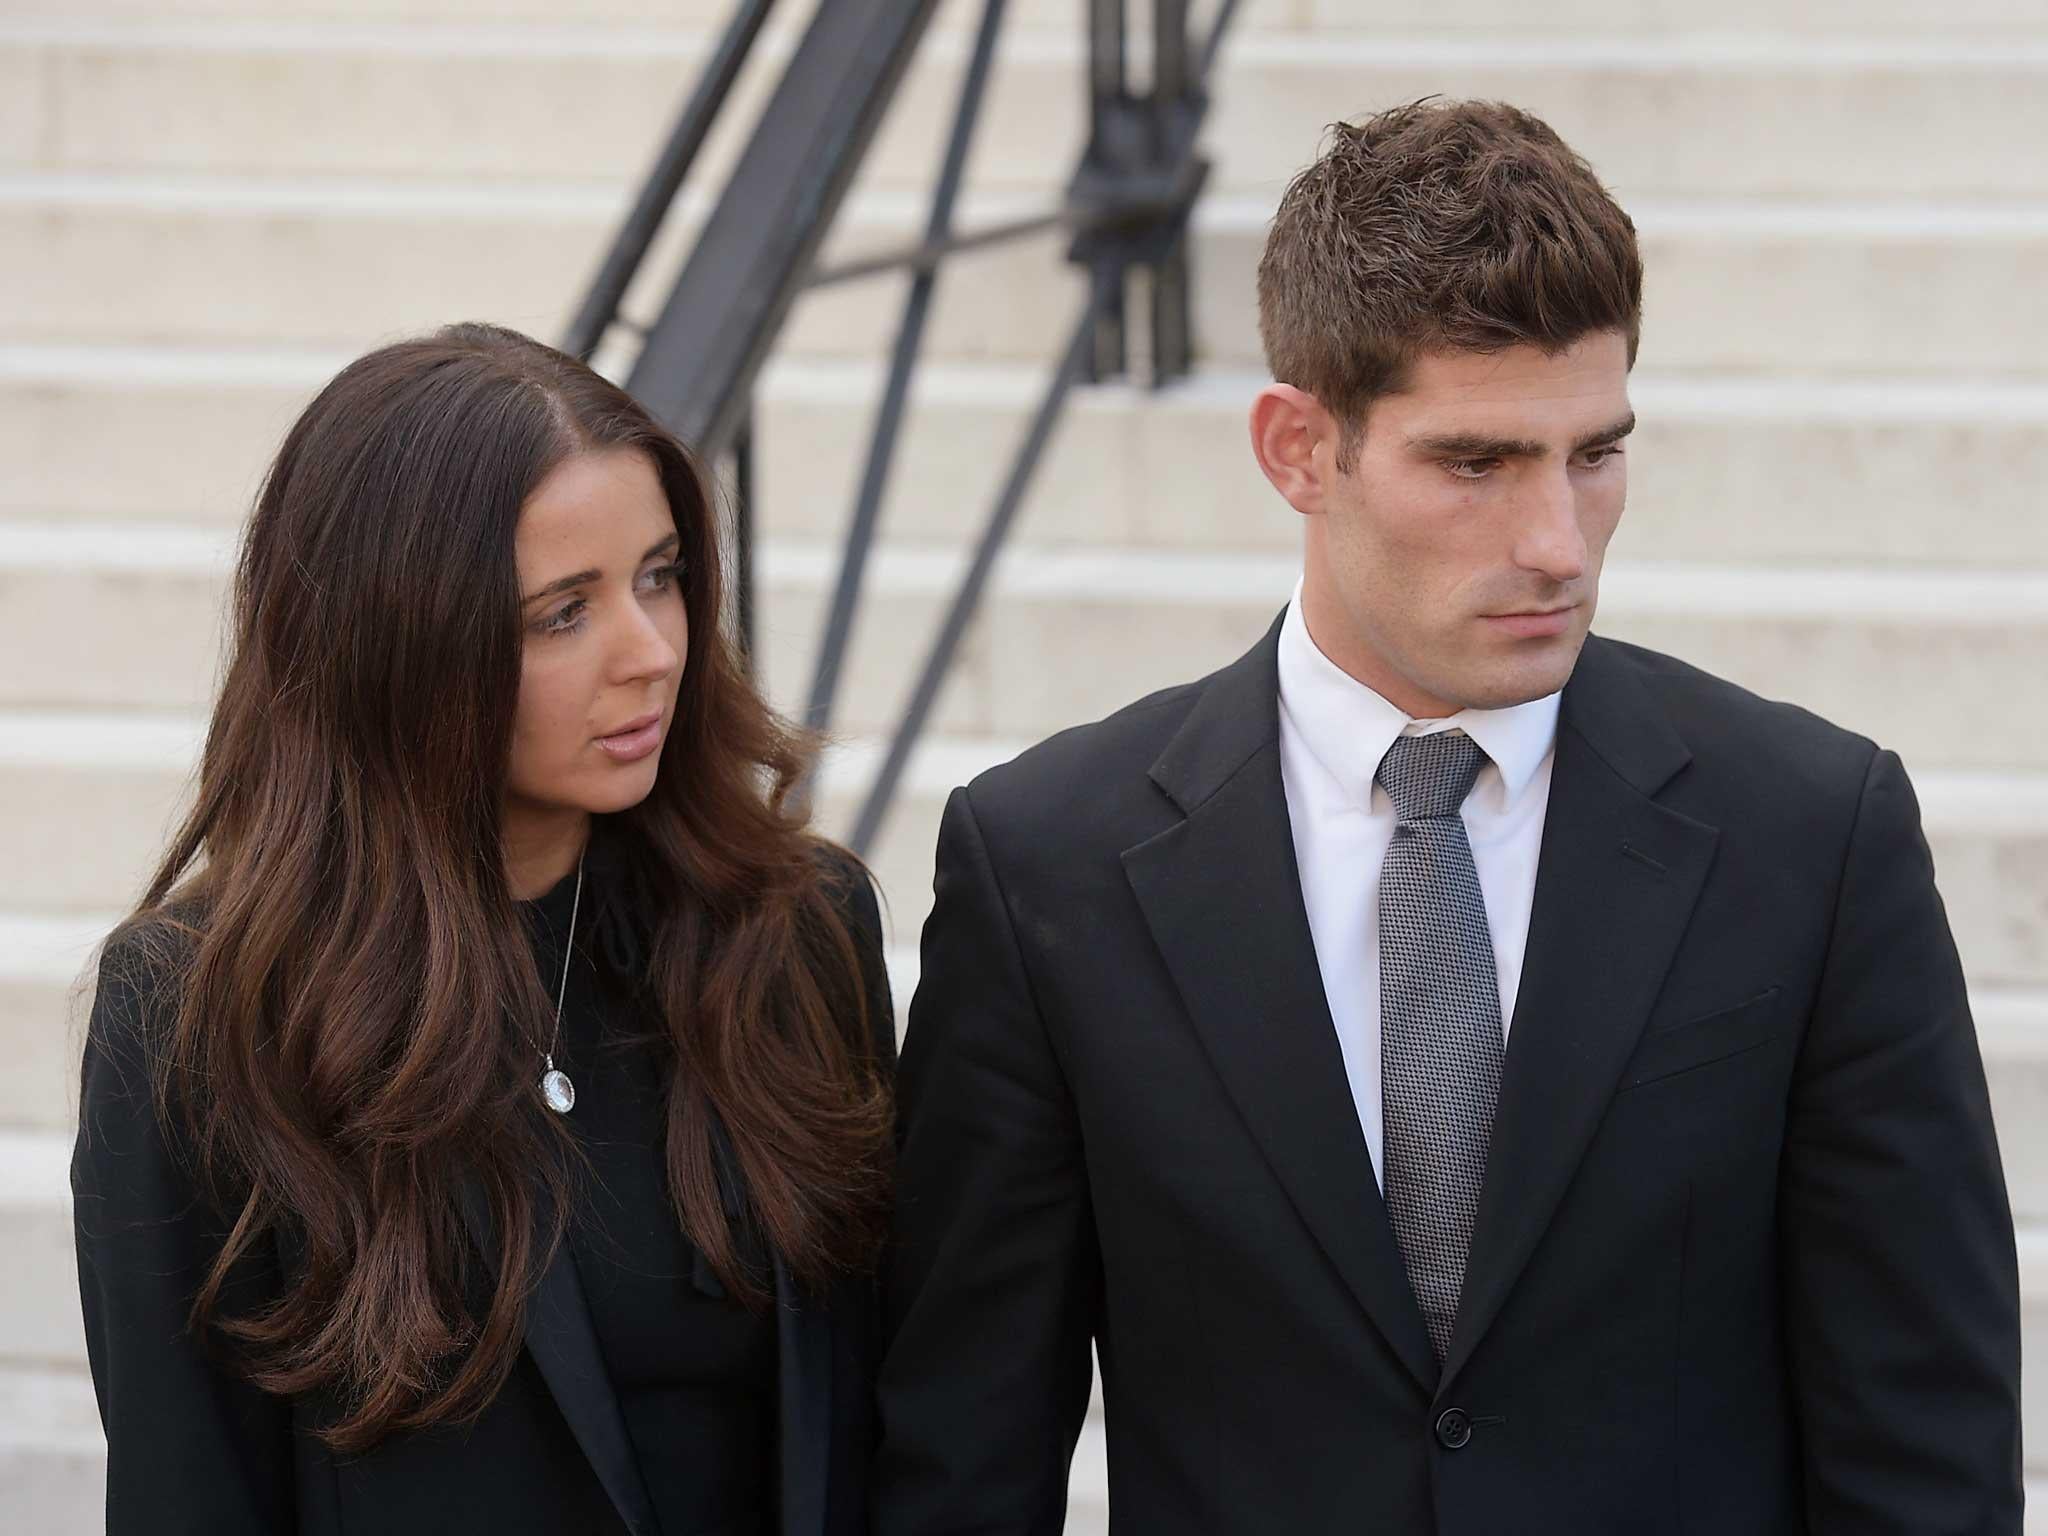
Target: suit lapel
[(1222, 897), (563, 1343), (1616, 882)]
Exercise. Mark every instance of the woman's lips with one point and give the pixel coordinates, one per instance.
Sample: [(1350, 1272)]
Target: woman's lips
[(634, 742), (1533, 626)]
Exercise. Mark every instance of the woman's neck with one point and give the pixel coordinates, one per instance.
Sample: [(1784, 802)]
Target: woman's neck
[(541, 849)]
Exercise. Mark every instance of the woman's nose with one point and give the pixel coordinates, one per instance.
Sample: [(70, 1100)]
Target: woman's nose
[(644, 651)]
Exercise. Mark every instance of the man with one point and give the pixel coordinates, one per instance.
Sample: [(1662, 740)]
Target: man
[(1462, 1074)]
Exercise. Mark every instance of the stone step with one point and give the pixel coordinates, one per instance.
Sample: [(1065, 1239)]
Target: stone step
[(48, 963), (1506, 18), (122, 775), (1716, 115), (39, 1322), (1779, 471), (1752, 470), (342, 263), (1482, 18), (47, 1414), (46, 984), (1926, 662), (1988, 833), (421, 14), (2012, 1030), (1929, 663), (126, 773), (53, 1457)]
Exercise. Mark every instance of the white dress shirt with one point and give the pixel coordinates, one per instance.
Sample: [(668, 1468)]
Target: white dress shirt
[(1333, 732)]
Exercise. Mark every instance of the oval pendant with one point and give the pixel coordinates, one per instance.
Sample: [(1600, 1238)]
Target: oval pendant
[(557, 1091)]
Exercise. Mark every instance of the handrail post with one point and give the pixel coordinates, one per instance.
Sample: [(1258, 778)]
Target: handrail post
[(658, 193), (1127, 206), (1108, 97), (1172, 286), (744, 596), (939, 659), (903, 359)]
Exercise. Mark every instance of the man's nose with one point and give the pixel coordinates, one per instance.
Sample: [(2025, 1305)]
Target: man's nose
[(1549, 538)]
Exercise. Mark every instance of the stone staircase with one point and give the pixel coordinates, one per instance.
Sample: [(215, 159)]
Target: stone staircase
[(206, 206)]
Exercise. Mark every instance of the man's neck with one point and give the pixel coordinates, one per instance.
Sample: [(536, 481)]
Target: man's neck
[(1328, 629)]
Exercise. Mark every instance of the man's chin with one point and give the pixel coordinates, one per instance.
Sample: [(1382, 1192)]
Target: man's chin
[(1529, 669)]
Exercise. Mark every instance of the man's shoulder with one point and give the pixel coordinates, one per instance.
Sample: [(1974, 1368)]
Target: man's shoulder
[(1118, 746), (1731, 729), (1088, 778)]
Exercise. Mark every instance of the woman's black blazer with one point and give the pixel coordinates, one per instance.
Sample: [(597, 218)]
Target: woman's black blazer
[(194, 1448)]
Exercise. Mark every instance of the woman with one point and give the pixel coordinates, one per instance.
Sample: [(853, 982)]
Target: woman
[(485, 1115)]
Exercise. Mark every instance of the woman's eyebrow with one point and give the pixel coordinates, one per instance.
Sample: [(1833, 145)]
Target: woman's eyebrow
[(578, 578), (562, 584)]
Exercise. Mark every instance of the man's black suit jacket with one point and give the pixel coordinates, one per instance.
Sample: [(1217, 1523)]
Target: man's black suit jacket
[(1743, 1263)]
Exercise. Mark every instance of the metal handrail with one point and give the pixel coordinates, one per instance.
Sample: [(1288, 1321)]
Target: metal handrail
[(1072, 367), (902, 359), (600, 307), (1124, 214), (1127, 206)]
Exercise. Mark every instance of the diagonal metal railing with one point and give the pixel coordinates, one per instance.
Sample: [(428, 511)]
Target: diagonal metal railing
[(1126, 211)]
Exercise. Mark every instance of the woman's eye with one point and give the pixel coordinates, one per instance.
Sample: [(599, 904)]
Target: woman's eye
[(662, 576), (1470, 469), (564, 620)]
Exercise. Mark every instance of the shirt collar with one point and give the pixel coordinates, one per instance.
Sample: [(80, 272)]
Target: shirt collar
[(1347, 727)]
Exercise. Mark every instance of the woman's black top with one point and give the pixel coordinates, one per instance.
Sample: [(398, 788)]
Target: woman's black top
[(693, 1370), (193, 1447)]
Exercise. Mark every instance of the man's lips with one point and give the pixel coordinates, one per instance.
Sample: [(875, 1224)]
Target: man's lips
[(633, 740), (1534, 623)]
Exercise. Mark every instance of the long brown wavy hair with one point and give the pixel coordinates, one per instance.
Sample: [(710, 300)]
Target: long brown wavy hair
[(357, 996)]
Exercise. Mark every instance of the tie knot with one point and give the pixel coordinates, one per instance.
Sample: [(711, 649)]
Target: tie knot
[(1430, 776)]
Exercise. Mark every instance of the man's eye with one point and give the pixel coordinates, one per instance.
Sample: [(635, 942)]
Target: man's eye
[(1470, 469), (1593, 458)]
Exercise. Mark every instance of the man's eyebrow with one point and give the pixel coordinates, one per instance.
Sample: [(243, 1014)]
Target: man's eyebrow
[(1477, 445), (1613, 434), (577, 578)]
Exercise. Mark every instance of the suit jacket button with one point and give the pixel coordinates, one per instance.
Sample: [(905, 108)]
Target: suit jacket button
[(1454, 1429)]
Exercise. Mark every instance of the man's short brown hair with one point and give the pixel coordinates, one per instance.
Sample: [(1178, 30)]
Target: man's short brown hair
[(1464, 226)]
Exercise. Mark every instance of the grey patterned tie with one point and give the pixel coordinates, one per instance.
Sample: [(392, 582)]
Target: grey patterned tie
[(1440, 1034)]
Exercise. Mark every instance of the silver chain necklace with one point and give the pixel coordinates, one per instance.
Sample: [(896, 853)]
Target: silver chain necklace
[(556, 1091)]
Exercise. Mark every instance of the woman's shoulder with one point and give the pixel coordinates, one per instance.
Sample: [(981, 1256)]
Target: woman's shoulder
[(140, 976), (126, 1148), (851, 886), (852, 890)]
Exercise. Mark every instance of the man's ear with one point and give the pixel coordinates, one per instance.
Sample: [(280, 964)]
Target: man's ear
[(1295, 441)]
